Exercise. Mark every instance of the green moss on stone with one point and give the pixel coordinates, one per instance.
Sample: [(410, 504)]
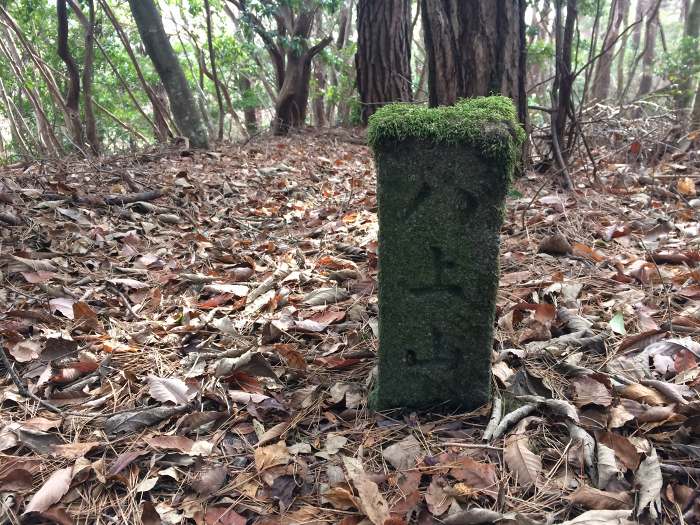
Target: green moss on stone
[(487, 124), (439, 218)]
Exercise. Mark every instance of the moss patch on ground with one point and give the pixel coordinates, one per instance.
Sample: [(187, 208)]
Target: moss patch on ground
[(487, 124)]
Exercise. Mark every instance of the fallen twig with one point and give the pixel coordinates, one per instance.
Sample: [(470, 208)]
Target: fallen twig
[(512, 418), (496, 415)]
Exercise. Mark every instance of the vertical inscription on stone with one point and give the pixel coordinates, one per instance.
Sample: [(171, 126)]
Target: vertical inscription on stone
[(439, 219), (439, 285)]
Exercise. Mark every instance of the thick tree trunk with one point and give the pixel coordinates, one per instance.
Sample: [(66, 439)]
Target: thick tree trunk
[(475, 48), (158, 47), (293, 98), (73, 93), (603, 72), (290, 54), (383, 59)]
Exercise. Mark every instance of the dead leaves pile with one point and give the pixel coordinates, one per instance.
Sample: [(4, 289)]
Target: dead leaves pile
[(202, 353)]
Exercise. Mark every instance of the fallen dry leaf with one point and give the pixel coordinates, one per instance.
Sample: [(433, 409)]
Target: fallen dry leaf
[(624, 450), (74, 450), (372, 503), (520, 459), (602, 517), (437, 498), (403, 454), (171, 389), (17, 480), (271, 456), (649, 481), (53, 489), (595, 499), (588, 391), (179, 443), (642, 394)]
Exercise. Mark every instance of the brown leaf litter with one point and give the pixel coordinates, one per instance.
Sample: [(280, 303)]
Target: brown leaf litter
[(193, 336)]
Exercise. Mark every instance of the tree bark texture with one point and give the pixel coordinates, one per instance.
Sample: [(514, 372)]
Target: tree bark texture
[(603, 72), (250, 113), (293, 96), (88, 23), (475, 48), (318, 102), (563, 84), (622, 54), (684, 98), (648, 55), (73, 93), (155, 40), (88, 73), (214, 72), (383, 59)]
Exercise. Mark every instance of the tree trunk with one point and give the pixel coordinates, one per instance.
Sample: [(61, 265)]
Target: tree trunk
[(592, 49), (383, 59), (161, 117), (293, 98), (88, 72), (161, 53), (8, 48), (603, 72), (642, 7), (563, 84), (623, 52), (645, 9), (345, 25), (17, 124), (695, 116), (684, 99), (318, 103), (88, 23), (250, 114), (652, 29), (214, 73), (290, 54), (73, 93), (475, 48)]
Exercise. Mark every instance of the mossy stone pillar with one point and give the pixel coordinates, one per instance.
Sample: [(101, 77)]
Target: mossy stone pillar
[(443, 175)]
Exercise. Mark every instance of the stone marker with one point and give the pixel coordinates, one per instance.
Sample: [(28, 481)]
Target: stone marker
[(443, 174)]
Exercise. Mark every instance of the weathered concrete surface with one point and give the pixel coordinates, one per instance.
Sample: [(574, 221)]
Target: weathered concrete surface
[(440, 212)]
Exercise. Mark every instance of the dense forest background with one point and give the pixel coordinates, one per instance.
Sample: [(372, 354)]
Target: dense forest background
[(75, 75)]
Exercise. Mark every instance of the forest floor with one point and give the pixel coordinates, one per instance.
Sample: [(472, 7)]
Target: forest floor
[(202, 354)]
